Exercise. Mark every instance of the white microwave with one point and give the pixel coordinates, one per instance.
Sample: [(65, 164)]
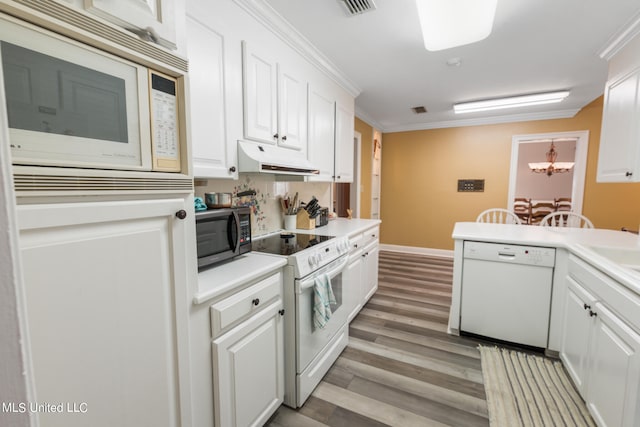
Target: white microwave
[(71, 105)]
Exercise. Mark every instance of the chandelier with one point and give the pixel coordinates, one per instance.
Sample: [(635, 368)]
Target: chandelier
[(551, 166)]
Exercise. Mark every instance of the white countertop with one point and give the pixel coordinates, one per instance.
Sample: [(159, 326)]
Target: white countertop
[(342, 227), (577, 240), (230, 276)]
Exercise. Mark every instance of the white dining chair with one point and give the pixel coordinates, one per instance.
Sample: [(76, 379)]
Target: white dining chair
[(566, 219), (498, 216)]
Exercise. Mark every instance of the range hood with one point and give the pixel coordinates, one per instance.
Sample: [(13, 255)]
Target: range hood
[(264, 158)]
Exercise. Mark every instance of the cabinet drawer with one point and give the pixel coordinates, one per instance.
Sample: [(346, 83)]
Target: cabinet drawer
[(356, 242), (240, 306), (371, 235)]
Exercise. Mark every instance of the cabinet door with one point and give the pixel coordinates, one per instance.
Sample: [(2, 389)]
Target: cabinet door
[(352, 286), (292, 111), (260, 91), (248, 370), (619, 155), (576, 332), (612, 392), (370, 271), (105, 289), (140, 14), (344, 144), (213, 153), (321, 134)]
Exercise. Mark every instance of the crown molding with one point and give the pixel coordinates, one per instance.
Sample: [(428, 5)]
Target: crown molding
[(279, 26), (525, 117), (620, 39), (362, 115)]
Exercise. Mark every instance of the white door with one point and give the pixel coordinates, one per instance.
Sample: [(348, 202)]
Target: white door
[(344, 152), (370, 271), (141, 14), (321, 134), (214, 155), (260, 96), (248, 370), (292, 110), (352, 286), (612, 391), (619, 149), (105, 288), (576, 332)]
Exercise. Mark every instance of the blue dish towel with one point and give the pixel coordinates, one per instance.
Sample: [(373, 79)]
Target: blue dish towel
[(322, 299)]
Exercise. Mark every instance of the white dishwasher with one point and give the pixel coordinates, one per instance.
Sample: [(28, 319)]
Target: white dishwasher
[(506, 292)]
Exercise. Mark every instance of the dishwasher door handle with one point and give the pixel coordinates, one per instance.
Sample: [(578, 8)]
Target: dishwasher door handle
[(506, 255)]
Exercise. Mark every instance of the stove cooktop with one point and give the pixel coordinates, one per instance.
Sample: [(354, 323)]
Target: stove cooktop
[(286, 243)]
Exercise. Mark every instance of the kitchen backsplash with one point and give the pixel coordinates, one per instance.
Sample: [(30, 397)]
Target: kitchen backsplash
[(266, 213)]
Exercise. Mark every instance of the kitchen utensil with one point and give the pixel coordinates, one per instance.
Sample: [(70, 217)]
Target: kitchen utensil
[(294, 205), (217, 200)]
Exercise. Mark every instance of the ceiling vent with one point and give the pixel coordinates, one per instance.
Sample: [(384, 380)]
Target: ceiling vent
[(356, 7), (419, 110)]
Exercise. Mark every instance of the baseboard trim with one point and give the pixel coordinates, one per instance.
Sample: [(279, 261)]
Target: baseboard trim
[(444, 253)]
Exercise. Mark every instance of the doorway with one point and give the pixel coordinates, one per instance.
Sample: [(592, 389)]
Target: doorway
[(544, 187)]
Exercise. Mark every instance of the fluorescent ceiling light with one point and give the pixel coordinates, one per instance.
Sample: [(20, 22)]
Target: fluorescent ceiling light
[(512, 102), (450, 23)]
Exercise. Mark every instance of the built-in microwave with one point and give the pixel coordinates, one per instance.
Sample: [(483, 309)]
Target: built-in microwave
[(222, 234), (71, 105)]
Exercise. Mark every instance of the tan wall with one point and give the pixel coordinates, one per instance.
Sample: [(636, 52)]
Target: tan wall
[(365, 166), (420, 202)]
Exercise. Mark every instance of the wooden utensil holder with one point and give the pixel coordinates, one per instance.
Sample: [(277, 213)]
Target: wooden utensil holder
[(304, 222)]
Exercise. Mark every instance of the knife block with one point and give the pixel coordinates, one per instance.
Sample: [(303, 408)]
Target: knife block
[(303, 221)]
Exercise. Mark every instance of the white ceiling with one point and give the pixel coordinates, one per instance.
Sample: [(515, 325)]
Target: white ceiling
[(535, 46)]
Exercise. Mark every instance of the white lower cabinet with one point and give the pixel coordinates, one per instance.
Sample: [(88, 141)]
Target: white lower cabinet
[(248, 360), (614, 371), (105, 294), (370, 262), (600, 350), (352, 284)]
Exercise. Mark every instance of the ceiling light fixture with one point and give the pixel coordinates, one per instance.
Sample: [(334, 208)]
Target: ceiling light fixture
[(450, 23), (551, 166), (511, 102)]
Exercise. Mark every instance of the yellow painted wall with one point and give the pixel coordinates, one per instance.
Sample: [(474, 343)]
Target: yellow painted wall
[(365, 166), (420, 202)]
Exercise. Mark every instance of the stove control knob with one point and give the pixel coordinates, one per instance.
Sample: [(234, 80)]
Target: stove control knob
[(311, 261)]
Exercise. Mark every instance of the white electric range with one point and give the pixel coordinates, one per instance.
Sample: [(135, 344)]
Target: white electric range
[(309, 351)]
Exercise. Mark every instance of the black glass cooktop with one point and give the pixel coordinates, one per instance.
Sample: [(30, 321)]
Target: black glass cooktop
[(286, 243)]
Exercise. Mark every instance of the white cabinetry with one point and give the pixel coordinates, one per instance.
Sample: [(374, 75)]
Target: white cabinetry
[(361, 274), (141, 15), (370, 263), (248, 358), (105, 288), (344, 144), (214, 153), (352, 278), (275, 101), (619, 156), (321, 133), (599, 347)]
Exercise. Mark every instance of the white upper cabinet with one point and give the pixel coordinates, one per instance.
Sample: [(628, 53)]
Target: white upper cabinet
[(214, 153), (260, 96), (619, 157), (344, 144), (292, 110), (155, 20), (275, 101), (321, 134)]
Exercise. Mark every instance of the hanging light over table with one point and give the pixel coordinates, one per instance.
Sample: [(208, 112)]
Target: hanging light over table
[(551, 166)]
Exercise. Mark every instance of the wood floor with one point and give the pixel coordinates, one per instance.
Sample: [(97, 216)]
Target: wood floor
[(401, 368)]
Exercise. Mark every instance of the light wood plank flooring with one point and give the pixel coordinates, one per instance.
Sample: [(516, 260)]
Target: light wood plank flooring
[(401, 368)]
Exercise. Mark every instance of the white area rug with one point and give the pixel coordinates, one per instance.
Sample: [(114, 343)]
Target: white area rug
[(529, 391)]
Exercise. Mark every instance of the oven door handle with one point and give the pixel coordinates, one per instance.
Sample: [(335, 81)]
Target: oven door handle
[(332, 273)]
